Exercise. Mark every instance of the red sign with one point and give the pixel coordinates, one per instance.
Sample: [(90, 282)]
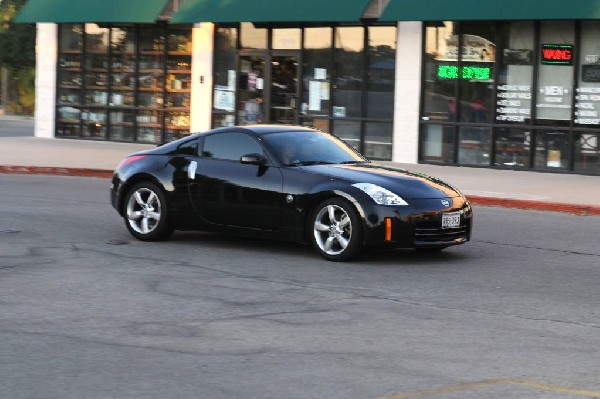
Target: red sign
[(557, 54)]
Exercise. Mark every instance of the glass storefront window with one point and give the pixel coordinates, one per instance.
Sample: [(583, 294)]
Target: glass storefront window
[(555, 74), (437, 144), (348, 131), (225, 76), (512, 148), (94, 123), (122, 125), (587, 153), (378, 140), (476, 72), (474, 145), (381, 72), (551, 150), (587, 99), (149, 126), (317, 72), (286, 39), (96, 66), (440, 72), (70, 82), (118, 83), (316, 76), (252, 37), (348, 85), (515, 77), (122, 77), (251, 83), (547, 94)]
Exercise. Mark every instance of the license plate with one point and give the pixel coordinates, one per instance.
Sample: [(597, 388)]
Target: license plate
[(450, 220)]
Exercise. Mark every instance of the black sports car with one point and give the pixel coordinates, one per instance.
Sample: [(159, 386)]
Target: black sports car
[(290, 183)]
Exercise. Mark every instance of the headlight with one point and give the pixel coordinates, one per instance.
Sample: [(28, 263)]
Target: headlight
[(380, 195)]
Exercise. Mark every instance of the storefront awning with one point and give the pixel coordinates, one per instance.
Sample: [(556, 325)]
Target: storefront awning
[(79, 11), (222, 11), (474, 10)]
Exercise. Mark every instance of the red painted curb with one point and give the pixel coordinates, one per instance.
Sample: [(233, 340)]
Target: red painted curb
[(535, 205), (42, 170), (485, 201)]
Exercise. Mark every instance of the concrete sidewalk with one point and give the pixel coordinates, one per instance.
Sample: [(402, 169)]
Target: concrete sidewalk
[(530, 190)]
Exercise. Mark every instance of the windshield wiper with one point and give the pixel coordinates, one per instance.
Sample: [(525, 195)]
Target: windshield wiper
[(349, 162), (309, 163)]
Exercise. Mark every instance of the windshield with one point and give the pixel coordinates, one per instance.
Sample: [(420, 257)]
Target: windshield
[(296, 148)]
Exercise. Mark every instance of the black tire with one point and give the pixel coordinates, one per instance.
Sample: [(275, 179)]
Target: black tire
[(335, 230), (146, 213)]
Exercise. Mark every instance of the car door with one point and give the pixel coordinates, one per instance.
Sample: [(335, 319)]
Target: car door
[(227, 192)]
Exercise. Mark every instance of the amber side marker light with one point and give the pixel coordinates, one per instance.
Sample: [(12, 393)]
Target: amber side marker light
[(388, 229)]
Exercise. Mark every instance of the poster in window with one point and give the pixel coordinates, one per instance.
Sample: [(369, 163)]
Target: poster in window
[(224, 100), (590, 73), (518, 57), (320, 73), (314, 95)]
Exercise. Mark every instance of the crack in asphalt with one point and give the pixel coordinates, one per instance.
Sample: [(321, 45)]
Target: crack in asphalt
[(263, 351), (349, 291), (562, 251)]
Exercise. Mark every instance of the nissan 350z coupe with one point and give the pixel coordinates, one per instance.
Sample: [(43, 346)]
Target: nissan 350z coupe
[(286, 182)]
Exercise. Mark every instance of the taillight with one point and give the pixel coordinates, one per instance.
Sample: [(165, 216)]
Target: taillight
[(131, 159)]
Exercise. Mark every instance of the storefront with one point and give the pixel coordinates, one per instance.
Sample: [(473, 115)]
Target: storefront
[(335, 78), (482, 85), (518, 95)]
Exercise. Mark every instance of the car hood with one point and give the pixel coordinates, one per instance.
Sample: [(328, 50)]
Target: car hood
[(409, 185)]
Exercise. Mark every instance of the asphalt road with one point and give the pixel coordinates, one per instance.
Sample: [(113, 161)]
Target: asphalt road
[(513, 314), (10, 127)]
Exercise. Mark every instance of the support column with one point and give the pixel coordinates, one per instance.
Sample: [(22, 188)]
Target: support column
[(408, 92), (46, 51), (202, 77)]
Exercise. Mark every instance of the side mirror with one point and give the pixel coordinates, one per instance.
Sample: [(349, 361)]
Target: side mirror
[(252, 159)]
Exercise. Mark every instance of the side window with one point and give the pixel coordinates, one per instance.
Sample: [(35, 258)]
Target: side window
[(188, 148), (230, 146)]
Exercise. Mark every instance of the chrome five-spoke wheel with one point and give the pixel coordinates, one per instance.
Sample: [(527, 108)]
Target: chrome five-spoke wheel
[(145, 212), (336, 230)]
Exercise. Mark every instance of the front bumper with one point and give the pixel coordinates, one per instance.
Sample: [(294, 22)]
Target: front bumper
[(418, 225)]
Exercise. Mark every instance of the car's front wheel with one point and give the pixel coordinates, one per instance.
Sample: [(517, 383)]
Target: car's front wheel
[(336, 230), (146, 212)]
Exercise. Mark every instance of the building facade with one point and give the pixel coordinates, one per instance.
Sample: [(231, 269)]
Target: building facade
[(420, 84)]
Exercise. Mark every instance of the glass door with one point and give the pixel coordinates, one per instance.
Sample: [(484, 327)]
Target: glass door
[(284, 89), (251, 84)]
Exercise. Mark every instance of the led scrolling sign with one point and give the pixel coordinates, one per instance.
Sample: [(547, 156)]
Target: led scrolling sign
[(557, 54)]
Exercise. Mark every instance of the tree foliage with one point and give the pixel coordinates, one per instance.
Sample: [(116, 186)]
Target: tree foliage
[(17, 41)]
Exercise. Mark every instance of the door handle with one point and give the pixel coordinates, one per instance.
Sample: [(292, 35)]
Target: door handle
[(192, 170)]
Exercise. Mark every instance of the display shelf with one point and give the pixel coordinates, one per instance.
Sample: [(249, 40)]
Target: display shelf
[(122, 88)]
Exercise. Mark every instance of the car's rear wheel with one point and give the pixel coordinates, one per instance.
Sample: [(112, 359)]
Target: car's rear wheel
[(336, 230), (145, 213)]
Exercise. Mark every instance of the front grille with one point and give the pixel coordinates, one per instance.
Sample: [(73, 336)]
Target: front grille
[(432, 232)]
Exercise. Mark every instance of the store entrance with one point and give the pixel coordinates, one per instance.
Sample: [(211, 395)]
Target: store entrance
[(268, 89)]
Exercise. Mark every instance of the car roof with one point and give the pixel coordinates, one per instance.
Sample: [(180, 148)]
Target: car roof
[(262, 129)]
